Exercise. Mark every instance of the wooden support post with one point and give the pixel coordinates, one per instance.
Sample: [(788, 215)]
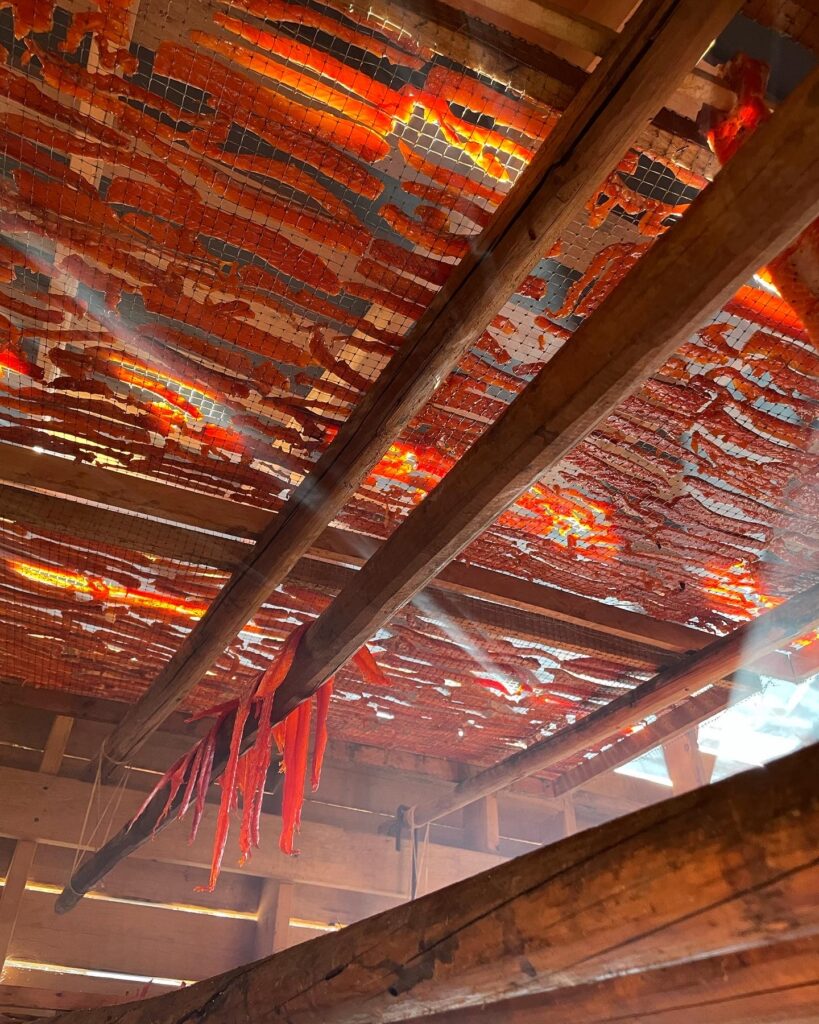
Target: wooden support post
[(481, 825), (658, 47), (23, 857), (644, 893), (684, 763), (569, 815), (724, 656), (275, 911)]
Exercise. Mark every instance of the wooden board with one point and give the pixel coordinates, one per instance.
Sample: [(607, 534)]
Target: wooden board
[(50, 810), (135, 940), (354, 795), (725, 870)]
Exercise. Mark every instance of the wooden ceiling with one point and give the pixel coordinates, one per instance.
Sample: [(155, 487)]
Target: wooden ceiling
[(312, 320)]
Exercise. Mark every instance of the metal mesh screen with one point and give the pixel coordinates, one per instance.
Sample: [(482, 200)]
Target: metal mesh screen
[(217, 229)]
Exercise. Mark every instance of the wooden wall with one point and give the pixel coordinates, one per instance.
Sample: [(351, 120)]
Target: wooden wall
[(148, 921)]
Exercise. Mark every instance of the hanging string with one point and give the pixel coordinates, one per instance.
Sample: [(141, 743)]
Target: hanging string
[(107, 813), (408, 816)]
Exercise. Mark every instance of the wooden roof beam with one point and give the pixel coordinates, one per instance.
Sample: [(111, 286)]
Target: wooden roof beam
[(171, 509), (179, 519), (768, 985), (669, 726), (527, 20), (640, 894), (760, 201), (764, 197), (49, 810), (658, 46), (721, 658), (571, 622)]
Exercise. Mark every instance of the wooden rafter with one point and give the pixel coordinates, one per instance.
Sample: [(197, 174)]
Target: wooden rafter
[(741, 221), (460, 591), (641, 894), (669, 726), (162, 513), (659, 45), (724, 656), (467, 594)]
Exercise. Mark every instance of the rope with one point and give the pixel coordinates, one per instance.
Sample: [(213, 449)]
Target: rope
[(419, 853), (104, 754), (108, 812), (423, 861), (81, 844)]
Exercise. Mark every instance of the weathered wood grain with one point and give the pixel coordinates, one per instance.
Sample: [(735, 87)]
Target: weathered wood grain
[(728, 869), (662, 41)]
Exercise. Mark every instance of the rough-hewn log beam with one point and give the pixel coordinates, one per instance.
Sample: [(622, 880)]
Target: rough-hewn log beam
[(172, 509), (777, 984), (659, 45), (646, 892), (724, 656), (736, 225)]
